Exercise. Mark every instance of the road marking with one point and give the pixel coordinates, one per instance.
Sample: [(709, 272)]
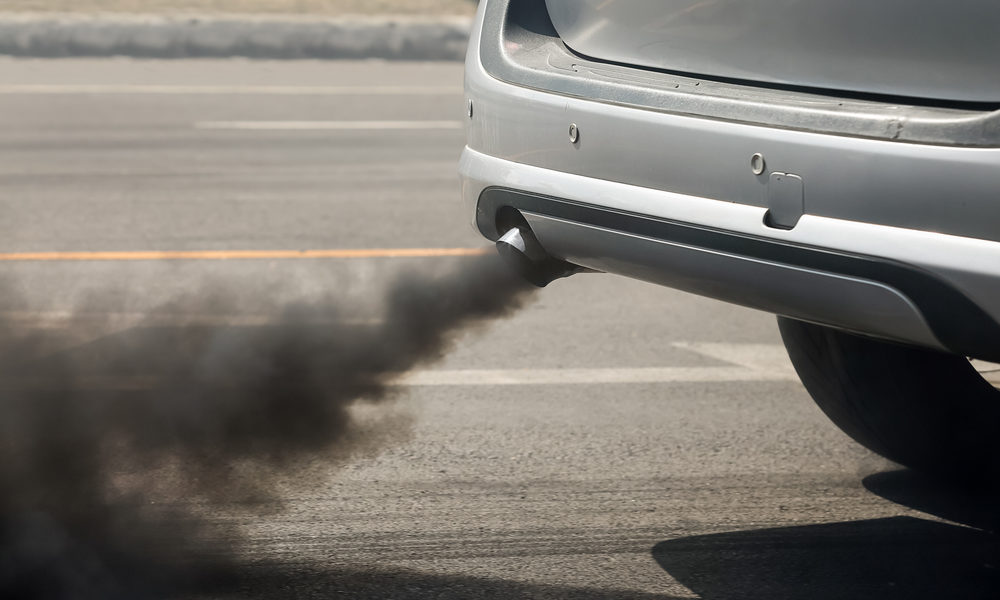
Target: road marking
[(471, 377), (761, 358), (503, 377), (248, 90), (989, 371), (119, 320), (328, 125), (242, 254), (97, 383), (769, 369)]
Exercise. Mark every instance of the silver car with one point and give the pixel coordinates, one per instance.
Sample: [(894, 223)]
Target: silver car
[(834, 162)]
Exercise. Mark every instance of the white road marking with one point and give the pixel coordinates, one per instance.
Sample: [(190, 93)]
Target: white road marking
[(747, 362), (476, 378), (114, 321), (499, 377), (328, 125), (87, 327), (761, 358), (989, 371), (238, 90), (113, 383)]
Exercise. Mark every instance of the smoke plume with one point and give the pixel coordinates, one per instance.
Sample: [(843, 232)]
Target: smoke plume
[(106, 450)]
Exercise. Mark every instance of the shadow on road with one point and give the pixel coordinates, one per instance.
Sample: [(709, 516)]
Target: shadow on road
[(899, 557), (909, 488), (305, 583)]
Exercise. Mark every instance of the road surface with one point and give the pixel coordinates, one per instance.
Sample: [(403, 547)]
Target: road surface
[(612, 440)]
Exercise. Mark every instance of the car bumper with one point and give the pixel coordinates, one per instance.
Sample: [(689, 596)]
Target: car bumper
[(895, 239)]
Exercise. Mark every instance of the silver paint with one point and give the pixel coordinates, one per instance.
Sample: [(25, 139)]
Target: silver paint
[(785, 200), (931, 206), (909, 185), (520, 47), (917, 48), (971, 266)]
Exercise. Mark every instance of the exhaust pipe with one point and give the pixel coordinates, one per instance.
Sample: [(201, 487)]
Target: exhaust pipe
[(522, 251)]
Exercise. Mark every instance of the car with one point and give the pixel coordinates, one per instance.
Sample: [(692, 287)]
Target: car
[(836, 163)]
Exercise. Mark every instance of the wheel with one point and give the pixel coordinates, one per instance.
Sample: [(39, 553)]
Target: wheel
[(926, 410)]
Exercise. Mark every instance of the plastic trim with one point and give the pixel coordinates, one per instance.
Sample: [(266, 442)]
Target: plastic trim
[(958, 322)]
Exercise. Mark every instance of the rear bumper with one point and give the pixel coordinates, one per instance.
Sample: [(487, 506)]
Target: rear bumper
[(913, 294), (898, 240)]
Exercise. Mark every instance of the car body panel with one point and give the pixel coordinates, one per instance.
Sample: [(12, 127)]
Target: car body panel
[(928, 210), (912, 48), (937, 188), (969, 266)]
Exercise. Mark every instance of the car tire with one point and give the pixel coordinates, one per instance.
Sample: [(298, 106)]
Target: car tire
[(927, 410)]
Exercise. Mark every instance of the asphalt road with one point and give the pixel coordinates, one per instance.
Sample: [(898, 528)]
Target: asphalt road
[(613, 439)]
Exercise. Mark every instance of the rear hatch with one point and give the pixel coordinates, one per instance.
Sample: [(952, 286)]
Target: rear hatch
[(937, 50)]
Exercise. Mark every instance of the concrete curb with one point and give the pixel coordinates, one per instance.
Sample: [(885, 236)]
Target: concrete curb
[(392, 38)]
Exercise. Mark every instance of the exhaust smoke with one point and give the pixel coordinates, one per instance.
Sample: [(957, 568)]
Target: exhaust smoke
[(111, 454)]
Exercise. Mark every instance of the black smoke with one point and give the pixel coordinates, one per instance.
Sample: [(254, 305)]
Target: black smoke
[(112, 452)]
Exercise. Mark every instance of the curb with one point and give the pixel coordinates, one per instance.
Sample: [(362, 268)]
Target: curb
[(390, 38)]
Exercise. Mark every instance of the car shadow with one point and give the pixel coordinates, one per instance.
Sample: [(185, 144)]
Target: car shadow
[(897, 557), (975, 508), (306, 583)]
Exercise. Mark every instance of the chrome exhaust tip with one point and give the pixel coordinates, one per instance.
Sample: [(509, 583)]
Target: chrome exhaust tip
[(522, 252)]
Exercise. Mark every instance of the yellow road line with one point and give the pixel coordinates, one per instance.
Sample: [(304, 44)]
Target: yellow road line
[(241, 254)]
